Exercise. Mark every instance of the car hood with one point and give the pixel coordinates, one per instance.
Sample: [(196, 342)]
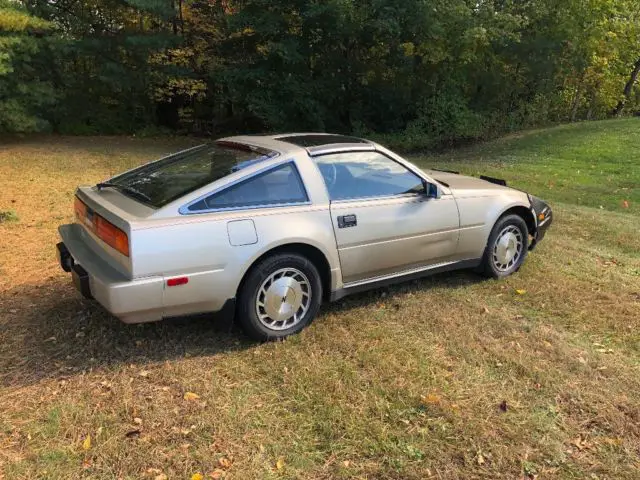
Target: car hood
[(461, 183)]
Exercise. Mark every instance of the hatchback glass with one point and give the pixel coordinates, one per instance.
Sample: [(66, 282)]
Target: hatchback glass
[(170, 178)]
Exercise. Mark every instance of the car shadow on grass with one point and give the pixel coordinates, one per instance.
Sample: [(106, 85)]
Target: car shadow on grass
[(50, 331)]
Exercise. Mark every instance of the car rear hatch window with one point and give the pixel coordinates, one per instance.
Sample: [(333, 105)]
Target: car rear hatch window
[(159, 183)]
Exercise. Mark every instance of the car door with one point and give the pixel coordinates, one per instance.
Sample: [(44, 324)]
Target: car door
[(383, 222)]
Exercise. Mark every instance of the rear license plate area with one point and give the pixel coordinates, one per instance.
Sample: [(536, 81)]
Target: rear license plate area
[(81, 280)]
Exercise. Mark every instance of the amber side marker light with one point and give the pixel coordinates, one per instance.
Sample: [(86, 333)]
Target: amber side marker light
[(541, 216)]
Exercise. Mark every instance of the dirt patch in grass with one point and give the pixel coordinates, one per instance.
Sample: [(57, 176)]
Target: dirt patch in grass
[(449, 377)]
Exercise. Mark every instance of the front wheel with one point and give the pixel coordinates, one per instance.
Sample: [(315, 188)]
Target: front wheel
[(280, 296), (507, 247)]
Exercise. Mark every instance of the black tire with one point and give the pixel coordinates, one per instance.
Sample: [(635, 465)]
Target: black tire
[(488, 266), (247, 314)]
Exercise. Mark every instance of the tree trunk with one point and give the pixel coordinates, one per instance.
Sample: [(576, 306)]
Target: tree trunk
[(174, 20), (576, 103), (627, 89)]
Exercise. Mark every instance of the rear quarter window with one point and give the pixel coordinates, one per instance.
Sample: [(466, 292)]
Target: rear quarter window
[(280, 185)]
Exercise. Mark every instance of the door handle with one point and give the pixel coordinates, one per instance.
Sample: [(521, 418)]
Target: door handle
[(346, 221)]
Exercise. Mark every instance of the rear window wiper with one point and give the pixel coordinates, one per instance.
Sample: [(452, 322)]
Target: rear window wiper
[(131, 191)]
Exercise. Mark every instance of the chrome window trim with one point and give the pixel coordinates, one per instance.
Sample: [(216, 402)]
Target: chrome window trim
[(416, 196), (184, 209)]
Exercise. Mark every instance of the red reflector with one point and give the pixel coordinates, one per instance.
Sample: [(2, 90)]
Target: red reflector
[(174, 282)]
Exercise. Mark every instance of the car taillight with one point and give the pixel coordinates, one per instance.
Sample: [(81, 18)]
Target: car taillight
[(104, 229), (111, 235), (80, 209)]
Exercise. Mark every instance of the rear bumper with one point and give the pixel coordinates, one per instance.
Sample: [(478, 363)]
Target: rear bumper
[(132, 301)]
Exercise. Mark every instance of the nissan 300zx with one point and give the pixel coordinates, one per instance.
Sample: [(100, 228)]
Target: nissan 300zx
[(269, 227)]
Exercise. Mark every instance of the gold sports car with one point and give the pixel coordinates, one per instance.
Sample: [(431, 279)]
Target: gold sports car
[(268, 227)]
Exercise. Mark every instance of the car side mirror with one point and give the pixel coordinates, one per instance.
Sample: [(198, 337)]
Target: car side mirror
[(432, 190)]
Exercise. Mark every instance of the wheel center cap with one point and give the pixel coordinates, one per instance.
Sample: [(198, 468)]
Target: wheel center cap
[(283, 299), (507, 248), (289, 295)]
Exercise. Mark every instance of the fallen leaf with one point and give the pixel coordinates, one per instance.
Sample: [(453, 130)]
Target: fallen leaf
[(86, 444), (625, 204), (612, 441), (197, 476), (504, 406), (480, 458), (154, 471), (224, 462), (217, 474), (346, 463), (430, 399), (520, 291), (137, 421), (280, 463), (485, 309), (132, 433), (581, 444), (162, 476), (191, 396), (143, 373)]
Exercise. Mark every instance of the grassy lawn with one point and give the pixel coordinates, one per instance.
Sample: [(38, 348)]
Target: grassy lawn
[(450, 377)]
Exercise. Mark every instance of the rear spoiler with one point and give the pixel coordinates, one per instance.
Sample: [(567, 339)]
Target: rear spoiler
[(497, 181)]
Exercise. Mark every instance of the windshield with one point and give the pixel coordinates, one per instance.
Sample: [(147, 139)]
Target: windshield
[(170, 178)]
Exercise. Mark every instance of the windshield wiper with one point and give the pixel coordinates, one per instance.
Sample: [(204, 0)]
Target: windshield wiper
[(131, 191)]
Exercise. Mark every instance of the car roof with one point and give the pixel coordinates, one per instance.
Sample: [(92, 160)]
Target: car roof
[(307, 140), (313, 142)]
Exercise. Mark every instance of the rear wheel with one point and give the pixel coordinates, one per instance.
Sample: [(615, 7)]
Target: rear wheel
[(507, 247), (280, 296)]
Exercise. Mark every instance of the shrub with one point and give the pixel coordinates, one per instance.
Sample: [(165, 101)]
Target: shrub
[(7, 216)]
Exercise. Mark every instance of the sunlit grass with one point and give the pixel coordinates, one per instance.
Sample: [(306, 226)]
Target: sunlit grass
[(593, 164)]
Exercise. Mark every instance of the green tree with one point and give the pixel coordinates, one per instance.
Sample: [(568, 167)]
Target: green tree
[(25, 89)]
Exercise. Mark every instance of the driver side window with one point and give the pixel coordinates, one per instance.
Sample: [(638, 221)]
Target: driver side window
[(353, 175)]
